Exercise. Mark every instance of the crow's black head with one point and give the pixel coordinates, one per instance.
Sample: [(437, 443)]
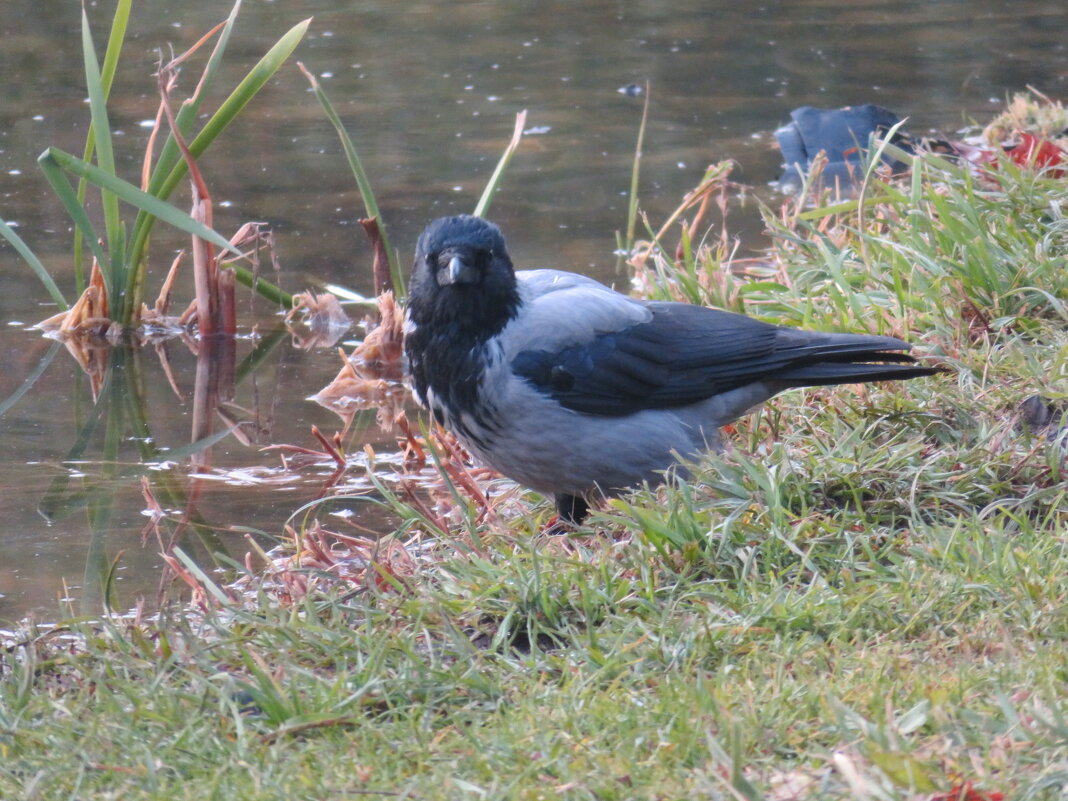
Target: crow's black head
[(462, 281)]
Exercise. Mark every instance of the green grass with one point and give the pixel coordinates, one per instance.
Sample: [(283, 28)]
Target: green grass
[(863, 599), (606, 673)]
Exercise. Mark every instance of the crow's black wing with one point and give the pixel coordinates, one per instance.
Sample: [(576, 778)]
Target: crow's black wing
[(685, 353)]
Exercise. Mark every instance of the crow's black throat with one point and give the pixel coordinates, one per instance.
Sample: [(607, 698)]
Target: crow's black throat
[(451, 325)]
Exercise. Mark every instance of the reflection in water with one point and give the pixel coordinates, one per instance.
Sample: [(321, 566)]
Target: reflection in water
[(126, 452), (371, 376), (429, 90), (118, 419)]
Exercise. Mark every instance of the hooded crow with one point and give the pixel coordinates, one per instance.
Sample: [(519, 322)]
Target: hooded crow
[(579, 392)]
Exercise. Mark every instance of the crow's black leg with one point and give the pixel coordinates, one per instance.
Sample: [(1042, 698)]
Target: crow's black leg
[(571, 508)]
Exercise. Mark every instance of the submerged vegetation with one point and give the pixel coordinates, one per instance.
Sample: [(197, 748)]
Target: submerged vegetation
[(864, 598)]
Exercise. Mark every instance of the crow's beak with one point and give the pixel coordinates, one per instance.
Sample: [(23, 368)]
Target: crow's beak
[(458, 271)]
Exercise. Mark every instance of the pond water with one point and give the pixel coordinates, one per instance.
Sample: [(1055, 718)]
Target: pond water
[(429, 91)]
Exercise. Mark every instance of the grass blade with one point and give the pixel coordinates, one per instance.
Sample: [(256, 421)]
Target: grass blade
[(635, 173), (69, 198), (159, 209), (198, 573), (30, 257), (249, 87), (119, 24), (498, 173), (261, 286), (170, 155), (117, 36), (362, 182), (104, 154)]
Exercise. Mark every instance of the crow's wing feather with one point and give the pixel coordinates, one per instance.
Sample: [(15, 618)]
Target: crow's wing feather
[(681, 354), (559, 309)]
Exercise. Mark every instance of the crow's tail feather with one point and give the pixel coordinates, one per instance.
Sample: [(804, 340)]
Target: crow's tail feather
[(827, 373)]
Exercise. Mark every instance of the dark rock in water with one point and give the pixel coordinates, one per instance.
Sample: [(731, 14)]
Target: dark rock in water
[(840, 134)]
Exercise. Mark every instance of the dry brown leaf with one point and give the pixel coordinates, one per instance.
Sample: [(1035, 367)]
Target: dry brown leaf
[(381, 353)]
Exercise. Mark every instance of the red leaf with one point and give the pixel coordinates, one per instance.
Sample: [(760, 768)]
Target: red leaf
[(1037, 153), (966, 792)]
